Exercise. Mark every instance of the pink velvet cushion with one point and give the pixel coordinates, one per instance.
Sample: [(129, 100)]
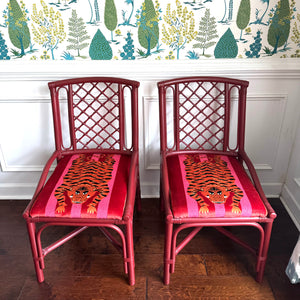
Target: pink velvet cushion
[(85, 186), (211, 186)]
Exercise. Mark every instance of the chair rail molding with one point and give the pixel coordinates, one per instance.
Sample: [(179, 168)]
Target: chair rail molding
[(151, 70)]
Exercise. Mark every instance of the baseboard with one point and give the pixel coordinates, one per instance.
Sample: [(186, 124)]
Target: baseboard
[(291, 205), (149, 190), (18, 191)]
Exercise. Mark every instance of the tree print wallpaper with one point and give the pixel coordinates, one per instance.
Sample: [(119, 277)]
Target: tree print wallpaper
[(148, 29)]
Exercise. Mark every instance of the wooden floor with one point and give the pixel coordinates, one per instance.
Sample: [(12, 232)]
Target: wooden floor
[(88, 267)]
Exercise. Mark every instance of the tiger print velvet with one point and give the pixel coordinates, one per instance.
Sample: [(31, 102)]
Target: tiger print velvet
[(213, 180), (87, 179)]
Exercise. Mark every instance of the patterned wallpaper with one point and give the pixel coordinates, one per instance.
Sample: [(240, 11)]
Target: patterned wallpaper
[(148, 29)]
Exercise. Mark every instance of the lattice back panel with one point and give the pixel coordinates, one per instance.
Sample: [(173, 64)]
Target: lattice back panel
[(201, 112), (95, 115)]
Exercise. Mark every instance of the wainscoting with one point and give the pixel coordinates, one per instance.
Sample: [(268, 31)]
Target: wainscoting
[(272, 117)]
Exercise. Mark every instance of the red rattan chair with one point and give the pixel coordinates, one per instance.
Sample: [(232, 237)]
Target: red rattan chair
[(203, 181), (95, 180)]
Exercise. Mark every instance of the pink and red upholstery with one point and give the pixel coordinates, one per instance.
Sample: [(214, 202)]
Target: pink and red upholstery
[(185, 206), (110, 206), (96, 177), (203, 180)]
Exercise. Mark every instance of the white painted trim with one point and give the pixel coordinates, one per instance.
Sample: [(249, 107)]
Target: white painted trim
[(153, 69), (150, 190), (272, 189), (297, 180), (282, 98), (291, 205), (19, 168), (262, 167), (17, 191), (25, 100)]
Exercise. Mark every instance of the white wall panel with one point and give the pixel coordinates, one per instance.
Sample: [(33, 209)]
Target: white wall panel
[(291, 190), (26, 139)]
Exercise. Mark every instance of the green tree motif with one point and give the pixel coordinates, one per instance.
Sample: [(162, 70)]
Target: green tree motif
[(226, 46), (100, 48), (3, 49), (230, 12), (259, 20), (94, 9), (50, 29), (181, 27), (97, 13), (243, 16), (148, 17), (128, 48), (110, 16), (126, 20), (280, 19), (77, 33), (16, 20), (207, 32), (255, 47)]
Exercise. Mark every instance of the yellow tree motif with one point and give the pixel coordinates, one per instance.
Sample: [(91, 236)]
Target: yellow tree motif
[(296, 36), (180, 27), (296, 32), (50, 27)]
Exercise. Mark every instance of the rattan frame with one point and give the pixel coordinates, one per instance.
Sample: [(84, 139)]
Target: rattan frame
[(214, 88)]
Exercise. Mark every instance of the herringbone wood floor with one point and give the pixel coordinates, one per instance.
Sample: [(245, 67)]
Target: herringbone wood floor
[(88, 267)]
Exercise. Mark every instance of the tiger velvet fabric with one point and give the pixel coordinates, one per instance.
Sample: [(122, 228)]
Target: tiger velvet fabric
[(211, 186), (85, 186)]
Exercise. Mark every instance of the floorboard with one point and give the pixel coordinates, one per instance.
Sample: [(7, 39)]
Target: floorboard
[(88, 267)]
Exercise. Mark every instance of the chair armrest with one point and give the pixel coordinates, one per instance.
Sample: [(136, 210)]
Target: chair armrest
[(256, 182), (165, 186), (41, 183), (132, 183)]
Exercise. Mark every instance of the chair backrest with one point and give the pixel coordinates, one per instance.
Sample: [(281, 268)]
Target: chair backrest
[(202, 113), (95, 113)]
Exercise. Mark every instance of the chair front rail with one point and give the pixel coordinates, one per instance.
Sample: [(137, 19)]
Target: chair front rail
[(211, 221)]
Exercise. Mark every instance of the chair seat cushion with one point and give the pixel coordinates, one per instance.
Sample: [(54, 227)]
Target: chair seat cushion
[(85, 186), (211, 186)]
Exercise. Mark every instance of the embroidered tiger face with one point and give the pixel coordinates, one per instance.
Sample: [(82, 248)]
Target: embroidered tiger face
[(80, 194), (216, 194), (211, 179), (86, 180)]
